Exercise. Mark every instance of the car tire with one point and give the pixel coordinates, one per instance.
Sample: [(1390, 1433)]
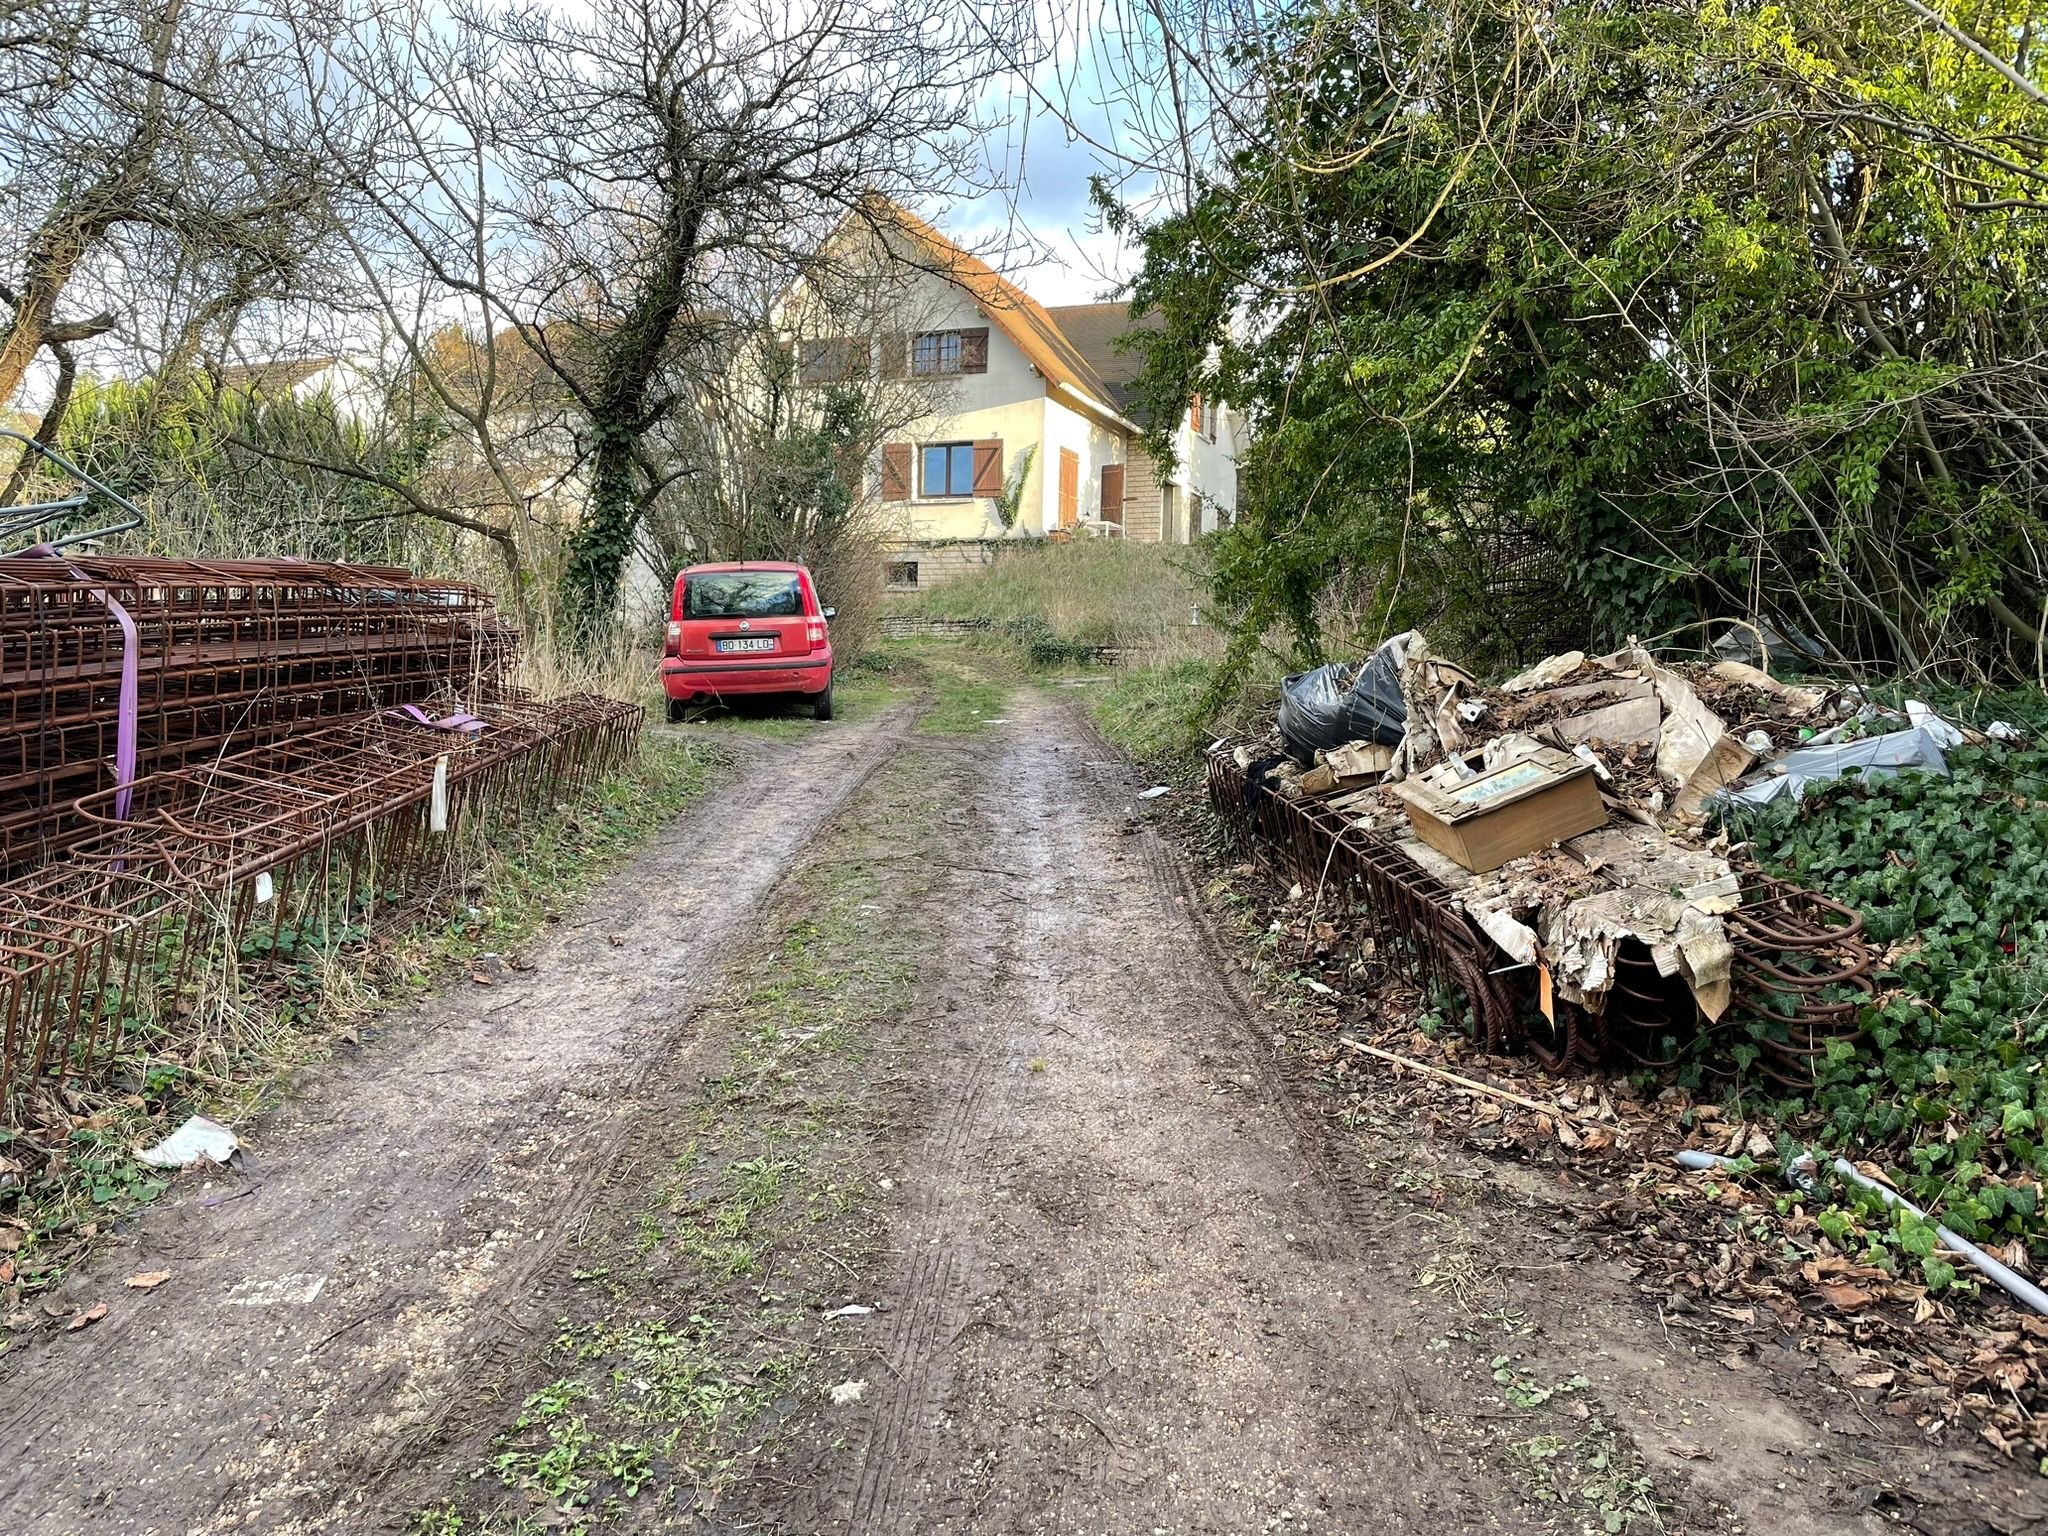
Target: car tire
[(821, 706), (677, 708)]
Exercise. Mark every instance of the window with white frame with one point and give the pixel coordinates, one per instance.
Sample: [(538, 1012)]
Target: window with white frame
[(935, 354)]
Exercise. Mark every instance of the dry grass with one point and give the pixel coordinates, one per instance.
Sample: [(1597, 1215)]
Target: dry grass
[(1162, 705), (623, 665), (1088, 592)]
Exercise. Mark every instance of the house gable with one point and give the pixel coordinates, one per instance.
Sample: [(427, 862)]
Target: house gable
[(1052, 384)]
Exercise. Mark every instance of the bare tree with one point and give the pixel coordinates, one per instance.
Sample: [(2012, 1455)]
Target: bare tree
[(153, 163), (669, 159)]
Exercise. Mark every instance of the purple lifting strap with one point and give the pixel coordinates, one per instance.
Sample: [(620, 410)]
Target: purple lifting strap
[(131, 686)]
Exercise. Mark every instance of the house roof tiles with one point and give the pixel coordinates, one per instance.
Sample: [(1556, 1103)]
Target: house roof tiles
[(1022, 318)]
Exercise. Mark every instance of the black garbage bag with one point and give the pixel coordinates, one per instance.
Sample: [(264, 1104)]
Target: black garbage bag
[(1339, 703)]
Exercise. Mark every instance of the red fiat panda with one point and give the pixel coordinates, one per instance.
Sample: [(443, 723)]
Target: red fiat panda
[(749, 628)]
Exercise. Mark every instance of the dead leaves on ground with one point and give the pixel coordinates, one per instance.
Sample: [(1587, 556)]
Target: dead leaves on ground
[(1711, 1252)]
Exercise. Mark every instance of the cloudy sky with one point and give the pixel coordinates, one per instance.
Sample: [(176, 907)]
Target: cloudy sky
[(1038, 226)]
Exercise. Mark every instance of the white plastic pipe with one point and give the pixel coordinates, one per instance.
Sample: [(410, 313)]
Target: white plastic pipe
[(2015, 1285)]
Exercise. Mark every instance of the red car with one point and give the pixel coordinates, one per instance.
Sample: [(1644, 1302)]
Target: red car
[(747, 629)]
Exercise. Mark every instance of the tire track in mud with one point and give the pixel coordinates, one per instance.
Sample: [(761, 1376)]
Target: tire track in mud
[(930, 1315), (372, 1260), (1133, 1297)]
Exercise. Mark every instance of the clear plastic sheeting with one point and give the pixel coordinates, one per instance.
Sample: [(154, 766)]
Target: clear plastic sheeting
[(1919, 746)]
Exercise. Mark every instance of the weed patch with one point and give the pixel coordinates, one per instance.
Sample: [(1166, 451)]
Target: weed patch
[(1159, 716), (694, 1325), (1951, 876)]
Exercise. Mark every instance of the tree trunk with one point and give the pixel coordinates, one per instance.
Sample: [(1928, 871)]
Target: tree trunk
[(49, 268), (603, 542), (53, 419)]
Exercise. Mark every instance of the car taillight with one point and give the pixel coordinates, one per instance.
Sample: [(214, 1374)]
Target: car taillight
[(675, 638), (817, 634)]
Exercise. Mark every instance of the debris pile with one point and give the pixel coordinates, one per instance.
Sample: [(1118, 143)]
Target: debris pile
[(1740, 1269), (1556, 848), (1380, 938)]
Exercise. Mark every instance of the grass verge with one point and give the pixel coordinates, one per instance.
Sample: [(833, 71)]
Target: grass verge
[(702, 1319), (1088, 591), (51, 1214)]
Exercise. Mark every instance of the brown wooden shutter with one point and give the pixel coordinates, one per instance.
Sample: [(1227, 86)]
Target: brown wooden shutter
[(988, 467), (1113, 494), (1195, 414), (895, 354), (974, 350), (1070, 487), (895, 471)]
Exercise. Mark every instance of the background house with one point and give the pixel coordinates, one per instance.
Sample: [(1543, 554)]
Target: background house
[(1023, 405)]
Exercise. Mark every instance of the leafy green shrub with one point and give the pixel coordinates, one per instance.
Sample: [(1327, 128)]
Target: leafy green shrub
[(1951, 876)]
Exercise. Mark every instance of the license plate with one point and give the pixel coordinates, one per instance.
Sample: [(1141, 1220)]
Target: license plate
[(762, 643)]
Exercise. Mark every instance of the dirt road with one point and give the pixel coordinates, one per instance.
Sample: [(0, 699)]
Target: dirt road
[(889, 1148)]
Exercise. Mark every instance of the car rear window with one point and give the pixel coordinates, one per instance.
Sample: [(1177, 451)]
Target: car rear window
[(743, 595)]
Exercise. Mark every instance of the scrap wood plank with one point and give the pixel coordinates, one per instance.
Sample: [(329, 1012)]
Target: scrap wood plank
[(1470, 1085)]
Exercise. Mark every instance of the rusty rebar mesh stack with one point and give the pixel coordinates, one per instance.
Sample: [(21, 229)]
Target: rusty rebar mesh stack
[(1800, 975), (228, 655), (307, 842), (320, 751)]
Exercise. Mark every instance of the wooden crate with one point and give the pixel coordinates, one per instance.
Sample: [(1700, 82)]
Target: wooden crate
[(1525, 805)]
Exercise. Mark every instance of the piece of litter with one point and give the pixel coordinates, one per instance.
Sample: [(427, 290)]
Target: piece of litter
[(198, 1139), (997, 720), (1945, 735), (1758, 742), (296, 1290), (1154, 792), (847, 1392), (1321, 989), (849, 1312), (2002, 730), (149, 1279)]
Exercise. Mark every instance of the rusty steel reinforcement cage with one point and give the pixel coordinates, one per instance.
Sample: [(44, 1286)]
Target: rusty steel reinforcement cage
[(224, 871), (1802, 973), (117, 667)]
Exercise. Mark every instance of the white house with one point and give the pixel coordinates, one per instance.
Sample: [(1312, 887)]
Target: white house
[(1024, 404)]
